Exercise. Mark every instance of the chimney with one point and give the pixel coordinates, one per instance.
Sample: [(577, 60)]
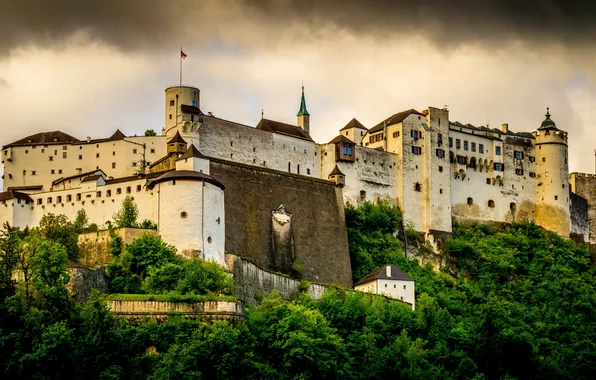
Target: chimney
[(505, 128), (88, 139), (388, 270)]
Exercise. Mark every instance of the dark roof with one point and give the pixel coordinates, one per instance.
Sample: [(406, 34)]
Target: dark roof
[(77, 176), (133, 178), (177, 139), (193, 152), (12, 194), (191, 109), (482, 128), (46, 138), (342, 139), (381, 273), (118, 135), (187, 175), (547, 123), (394, 119), (90, 178), (283, 129), (25, 188), (353, 124), (336, 171)]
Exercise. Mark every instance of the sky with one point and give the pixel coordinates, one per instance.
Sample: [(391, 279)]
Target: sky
[(88, 68)]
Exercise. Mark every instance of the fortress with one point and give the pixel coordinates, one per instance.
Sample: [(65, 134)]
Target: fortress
[(271, 194)]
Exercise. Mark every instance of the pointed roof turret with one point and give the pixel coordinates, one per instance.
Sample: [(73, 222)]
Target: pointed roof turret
[(177, 139), (336, 171), (118, 135), (303, 111), (192, 152), (548, 123)]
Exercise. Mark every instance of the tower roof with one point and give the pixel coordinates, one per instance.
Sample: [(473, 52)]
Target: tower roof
[(192, 152), (381, 274), (548, 123), (303, 110), (342, 139), (336, 171), (394, 119), (177, 139), (354, 124)]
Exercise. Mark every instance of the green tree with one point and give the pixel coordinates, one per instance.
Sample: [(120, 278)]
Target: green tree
[(59, 230), (163, 279), (81, 221), (128, 214), (147, 251), (205, 277), (150, 132)]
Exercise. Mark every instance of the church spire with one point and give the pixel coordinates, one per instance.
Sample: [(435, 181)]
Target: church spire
[(303, 111)]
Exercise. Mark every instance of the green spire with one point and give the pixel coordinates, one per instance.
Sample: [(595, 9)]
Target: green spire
[(303, 110)]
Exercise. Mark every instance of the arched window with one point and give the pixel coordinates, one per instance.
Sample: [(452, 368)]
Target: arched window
[(473, 163), (470, 201), (491, 203)]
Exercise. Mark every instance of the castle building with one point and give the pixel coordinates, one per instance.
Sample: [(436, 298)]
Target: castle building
[(214, 185), (389, 281)]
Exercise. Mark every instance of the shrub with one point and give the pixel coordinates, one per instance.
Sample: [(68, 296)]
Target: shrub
[(128, 214), (205, 277)]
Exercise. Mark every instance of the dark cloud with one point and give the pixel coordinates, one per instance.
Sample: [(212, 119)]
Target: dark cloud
[(142, 24)]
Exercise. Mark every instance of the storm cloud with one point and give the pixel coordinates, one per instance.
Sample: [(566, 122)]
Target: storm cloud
[(136, 24)]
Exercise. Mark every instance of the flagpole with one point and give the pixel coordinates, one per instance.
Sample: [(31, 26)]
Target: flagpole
[(180, 66)]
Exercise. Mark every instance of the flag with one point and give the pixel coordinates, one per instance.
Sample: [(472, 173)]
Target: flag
[(182, 54)]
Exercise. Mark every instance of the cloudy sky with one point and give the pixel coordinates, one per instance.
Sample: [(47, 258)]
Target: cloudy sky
[(87, 68)]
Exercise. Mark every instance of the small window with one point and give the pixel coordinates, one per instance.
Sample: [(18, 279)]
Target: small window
[(465, 145), (33, 172), (395, 134), (480, 148), (473, 147), (512, 206), (138, 187), (49, 200), (170, 116), (450, 142), (59, 171), (113, 165), (96, 155), (307, 171), (440, 153), (53, 171), (488, 181), (498, 150), (39, 201), (64, 147), (183, 215), (417, 186), (491, 203), (532, 175), (78, 197), (59, 199), (26, 151), (457, 143), (108, 193), (98, 194), (51, 158), (152, 150), (532, 158), (69, 198), (556, 197), (172, 103), (134, 164), (127, 189), (404, 287), (80, 157), (470, 202), (416, 150), (543, 159), (118, 191), (518, 155)]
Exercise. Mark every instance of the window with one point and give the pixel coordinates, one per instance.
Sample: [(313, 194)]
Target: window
[(307, 171), (499, 167), (440, 139), (59, 171), (69, 197), (51, 158), (375, 138), (170, 116), (59, 199), (113, 165), (415, 134), (128, 190), (473, 147), (532, 175), (345, 151), (98, 194), (138, 187), (563, 186), (491, 203), (498, 150), (39, 201), (33, 172), (108, 193), (480, 148), (532, 158), (80, 157), (518, 155), (53, 171), (96, 155), (152, 150), (440, 153), (556, 197), (462, 160), (457, 143), (488, 181), (134, 151), (440, 169), (417, 187), (134, 164), (465, 145), (404, 285), (470, 202), (172, 103), (64, 147), (26, 151), (55, 152), (395, 134), (118, 191), (543, 159), (416, 150), (78, 197), (519, 171), (49, 200), (450, 142)]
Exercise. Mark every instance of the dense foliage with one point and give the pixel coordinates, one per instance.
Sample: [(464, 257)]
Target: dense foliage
[(523, 307)]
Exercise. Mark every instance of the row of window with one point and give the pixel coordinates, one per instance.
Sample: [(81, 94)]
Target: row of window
[(78, 196), (472, 146), (134, 151), (377, 137)]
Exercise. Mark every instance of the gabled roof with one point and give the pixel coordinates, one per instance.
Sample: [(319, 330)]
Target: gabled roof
[(118, 135), (12, 194), (177, 139), (193, 152), (185, 175), (394, 119), (342, 139), (46, 138), (354, 124), (90, 178), (283, 129), (381, 274), (336, 171), (95, 171), (25, 188)]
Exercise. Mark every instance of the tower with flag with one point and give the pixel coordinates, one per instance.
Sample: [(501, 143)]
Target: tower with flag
[(182, 56)]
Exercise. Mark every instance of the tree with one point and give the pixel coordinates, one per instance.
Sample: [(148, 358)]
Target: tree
[(10, 247), (150, 132), (147, 251), (205, 277), (128, 213), (59, 230), (81, 221)]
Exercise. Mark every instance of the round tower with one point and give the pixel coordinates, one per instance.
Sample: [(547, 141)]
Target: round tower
[(552, 178), (176, 97)]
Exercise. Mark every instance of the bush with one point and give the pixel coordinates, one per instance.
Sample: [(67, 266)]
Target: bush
[(205, 277), (128, 214), (163, 279), (147, 251), (148, 225)]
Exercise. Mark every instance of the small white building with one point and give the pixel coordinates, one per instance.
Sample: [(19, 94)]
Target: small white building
[(389, 281)]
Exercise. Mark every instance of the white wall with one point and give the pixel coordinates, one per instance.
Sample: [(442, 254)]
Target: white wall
[(401, 290)]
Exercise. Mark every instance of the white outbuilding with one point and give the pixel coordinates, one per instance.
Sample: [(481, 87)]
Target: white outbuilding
[(389, 281)]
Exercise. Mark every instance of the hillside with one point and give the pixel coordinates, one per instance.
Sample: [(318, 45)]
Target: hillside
[(522, 306)]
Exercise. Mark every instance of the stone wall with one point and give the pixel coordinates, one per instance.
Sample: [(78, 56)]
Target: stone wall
[(251, 282), (318, 221), (205, 311), (579, 218), (94, 245), (84, 280)]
